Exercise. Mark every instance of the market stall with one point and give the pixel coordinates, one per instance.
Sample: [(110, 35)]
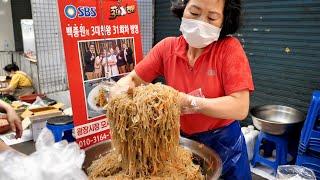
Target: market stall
[(34, 110)]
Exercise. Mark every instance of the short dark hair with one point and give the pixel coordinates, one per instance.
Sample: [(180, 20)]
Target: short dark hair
[(231, 13), (11, 67)]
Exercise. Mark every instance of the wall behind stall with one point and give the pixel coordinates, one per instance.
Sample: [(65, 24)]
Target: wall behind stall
[(6, 35), (6, 27), (20, 10), (282, 41), (51, 61), (146, 13), (165, 24), (5, 58), (11, 13)]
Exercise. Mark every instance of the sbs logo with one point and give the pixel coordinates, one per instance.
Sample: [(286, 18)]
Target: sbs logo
[(72, 12)]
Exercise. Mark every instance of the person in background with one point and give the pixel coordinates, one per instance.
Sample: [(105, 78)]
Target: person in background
[(128, 56), (98, 64), (20, 83), (107, 71), (89, 60), (121, 63), (112, 63), (206, 58)]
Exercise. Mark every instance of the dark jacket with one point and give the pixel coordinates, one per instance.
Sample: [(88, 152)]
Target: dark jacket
[(120, 59), (89, 65), (129, 56)]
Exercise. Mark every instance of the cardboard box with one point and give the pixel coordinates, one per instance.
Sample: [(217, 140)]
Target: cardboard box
[(39, 111)]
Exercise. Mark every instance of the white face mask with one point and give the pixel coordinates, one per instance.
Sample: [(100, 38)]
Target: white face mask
[(199, 34)]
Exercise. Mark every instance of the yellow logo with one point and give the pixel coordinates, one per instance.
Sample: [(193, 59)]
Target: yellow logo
[(118, 10)]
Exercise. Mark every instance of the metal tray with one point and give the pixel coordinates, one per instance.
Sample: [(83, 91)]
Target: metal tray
[(208, 159)]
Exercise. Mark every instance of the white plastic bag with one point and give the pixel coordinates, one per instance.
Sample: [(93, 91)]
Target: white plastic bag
[(38, 103), (51, 161), (293, 172), (250, 136)]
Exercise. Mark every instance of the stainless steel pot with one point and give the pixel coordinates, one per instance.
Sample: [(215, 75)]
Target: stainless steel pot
[(208, 159), (276, 119)]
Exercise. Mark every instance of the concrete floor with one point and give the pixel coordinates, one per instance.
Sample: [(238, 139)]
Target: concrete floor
[(256, 177), (29, 147)]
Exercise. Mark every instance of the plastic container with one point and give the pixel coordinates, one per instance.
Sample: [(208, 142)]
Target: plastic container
[(31, 98), (293, 172), (250, 136)]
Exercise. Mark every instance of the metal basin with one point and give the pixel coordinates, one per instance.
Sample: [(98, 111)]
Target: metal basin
[(209, 160), (276, 119)]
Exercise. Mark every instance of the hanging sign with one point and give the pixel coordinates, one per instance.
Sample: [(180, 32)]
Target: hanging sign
[(102, 42)]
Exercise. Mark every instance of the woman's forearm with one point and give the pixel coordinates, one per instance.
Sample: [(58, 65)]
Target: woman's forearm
[(131, 80), (7, 89), (5, 106), (234, 106)]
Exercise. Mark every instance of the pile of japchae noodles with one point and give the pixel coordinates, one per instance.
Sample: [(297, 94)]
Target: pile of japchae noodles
[(145, 134)]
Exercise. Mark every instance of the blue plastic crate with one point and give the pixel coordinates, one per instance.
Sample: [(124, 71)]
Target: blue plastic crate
[(310, 134), (310, 162)]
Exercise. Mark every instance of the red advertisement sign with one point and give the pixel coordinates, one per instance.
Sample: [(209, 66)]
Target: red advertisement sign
[(102, 42)]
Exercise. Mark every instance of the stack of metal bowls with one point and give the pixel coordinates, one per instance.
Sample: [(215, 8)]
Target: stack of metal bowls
[(276, 119)]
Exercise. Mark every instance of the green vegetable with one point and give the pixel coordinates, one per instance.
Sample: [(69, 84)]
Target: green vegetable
[(5, 99)]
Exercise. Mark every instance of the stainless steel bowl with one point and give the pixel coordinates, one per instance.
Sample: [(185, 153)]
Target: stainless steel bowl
[(208, 159), (276, 119)]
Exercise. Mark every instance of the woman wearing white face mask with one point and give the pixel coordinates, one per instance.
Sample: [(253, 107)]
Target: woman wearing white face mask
[(205, 57)]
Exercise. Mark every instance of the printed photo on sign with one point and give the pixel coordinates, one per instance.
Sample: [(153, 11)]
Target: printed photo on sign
[(106, 58), (97, 95)]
